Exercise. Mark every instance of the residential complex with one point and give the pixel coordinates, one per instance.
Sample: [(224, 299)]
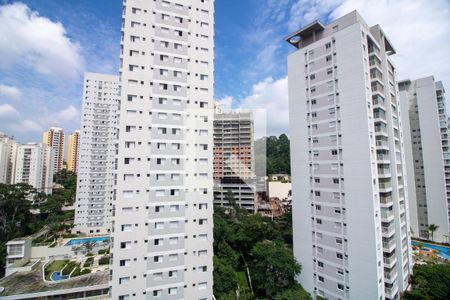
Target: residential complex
[(73, 148), (54, 138), (34, 166), (97, 150), (350, 205), (162, 230), (428, 156), (8, 150), (234, 159)]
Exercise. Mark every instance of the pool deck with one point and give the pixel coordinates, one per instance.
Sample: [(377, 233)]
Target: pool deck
[(32, 282)]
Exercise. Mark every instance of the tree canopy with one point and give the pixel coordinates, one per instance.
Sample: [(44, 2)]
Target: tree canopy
[(277, 151), (430, 282)]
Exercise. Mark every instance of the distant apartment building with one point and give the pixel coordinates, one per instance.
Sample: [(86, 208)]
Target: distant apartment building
[(428, 156), (351, 230), (8, 150), (73, 148), (54, 138), (97, 150), (34, 166), (234, 159), (162, 230)]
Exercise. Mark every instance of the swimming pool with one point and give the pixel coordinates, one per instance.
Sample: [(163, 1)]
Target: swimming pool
[(443, 252), (97, 240), (56, 276)]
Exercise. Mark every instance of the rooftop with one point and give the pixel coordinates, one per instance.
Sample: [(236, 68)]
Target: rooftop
[(32, 282)]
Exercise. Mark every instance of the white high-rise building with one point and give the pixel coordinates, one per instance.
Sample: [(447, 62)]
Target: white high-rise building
[(350, 206), (34, 166), (162, 230), (8, 150), (234, 159), (54, 137), (428, 156), (97, 150)]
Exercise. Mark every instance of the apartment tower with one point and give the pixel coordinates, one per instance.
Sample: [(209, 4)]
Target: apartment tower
[(428, 156), (96, 160), (54, 138), (162, 231), (350, 206), (234, 159), (73, 147), (8, 150), (34, 166)]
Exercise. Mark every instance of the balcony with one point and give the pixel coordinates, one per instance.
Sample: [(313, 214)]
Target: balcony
[(388, 231), (387, 215), (389, 262)]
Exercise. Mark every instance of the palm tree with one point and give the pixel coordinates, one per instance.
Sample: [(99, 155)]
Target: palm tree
[(432, 228)]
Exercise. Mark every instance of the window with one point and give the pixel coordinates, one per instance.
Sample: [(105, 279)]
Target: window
[(321, 279), (339, 241), (126, 227), (328, 58), (328, 45), (124, 262), (124, 280), (312, 77), (320, 264), (340, 271), (334, 152), (319, 221), (173, 291), (202, 286), (340, 286), (125, 245), (336, 180), (157, 293), (339, 256)]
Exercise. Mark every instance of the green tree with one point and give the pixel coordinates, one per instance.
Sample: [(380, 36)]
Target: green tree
[(430, 282), (228, 255), (432, 228), (273, 268), (225, 278), (295, 292)]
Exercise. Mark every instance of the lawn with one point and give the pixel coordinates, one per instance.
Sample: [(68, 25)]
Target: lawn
[(242, 281), (55, 266)]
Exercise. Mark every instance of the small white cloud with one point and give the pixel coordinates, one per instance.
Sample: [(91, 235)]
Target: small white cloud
[(26, 126), (36, 42), (226, 102), (68, 114), (8, 112), (9, 92), (272, 96)]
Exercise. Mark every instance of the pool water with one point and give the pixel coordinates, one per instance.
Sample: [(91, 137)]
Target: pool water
[(97, 240), (443, 252), (56, 276)]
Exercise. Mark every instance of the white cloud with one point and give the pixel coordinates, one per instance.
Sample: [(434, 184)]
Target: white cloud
[(26, 126), (226, 102), (9, 92), (8, 112), (307, 11), (419, 31), (36, 42), (272, 96), (68, 114)]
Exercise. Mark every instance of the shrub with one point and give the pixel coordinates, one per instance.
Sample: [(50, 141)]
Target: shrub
[(85, 271), (104, 260), (76, 272), (88, 262), (103, 251), (69, 267)]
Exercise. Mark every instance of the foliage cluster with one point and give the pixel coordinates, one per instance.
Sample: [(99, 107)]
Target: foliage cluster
[(277, 153), (429, 282), (16, 219), (253, 256)]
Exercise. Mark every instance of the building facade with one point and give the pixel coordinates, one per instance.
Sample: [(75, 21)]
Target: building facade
[(54, 138), (73, 149), (34, 166), (162, 236), (8, 150), (96, 159), (428, 156), (350, 206), (234, 159)]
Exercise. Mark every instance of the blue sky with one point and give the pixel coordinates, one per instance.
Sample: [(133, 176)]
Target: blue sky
[(46, 45)]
